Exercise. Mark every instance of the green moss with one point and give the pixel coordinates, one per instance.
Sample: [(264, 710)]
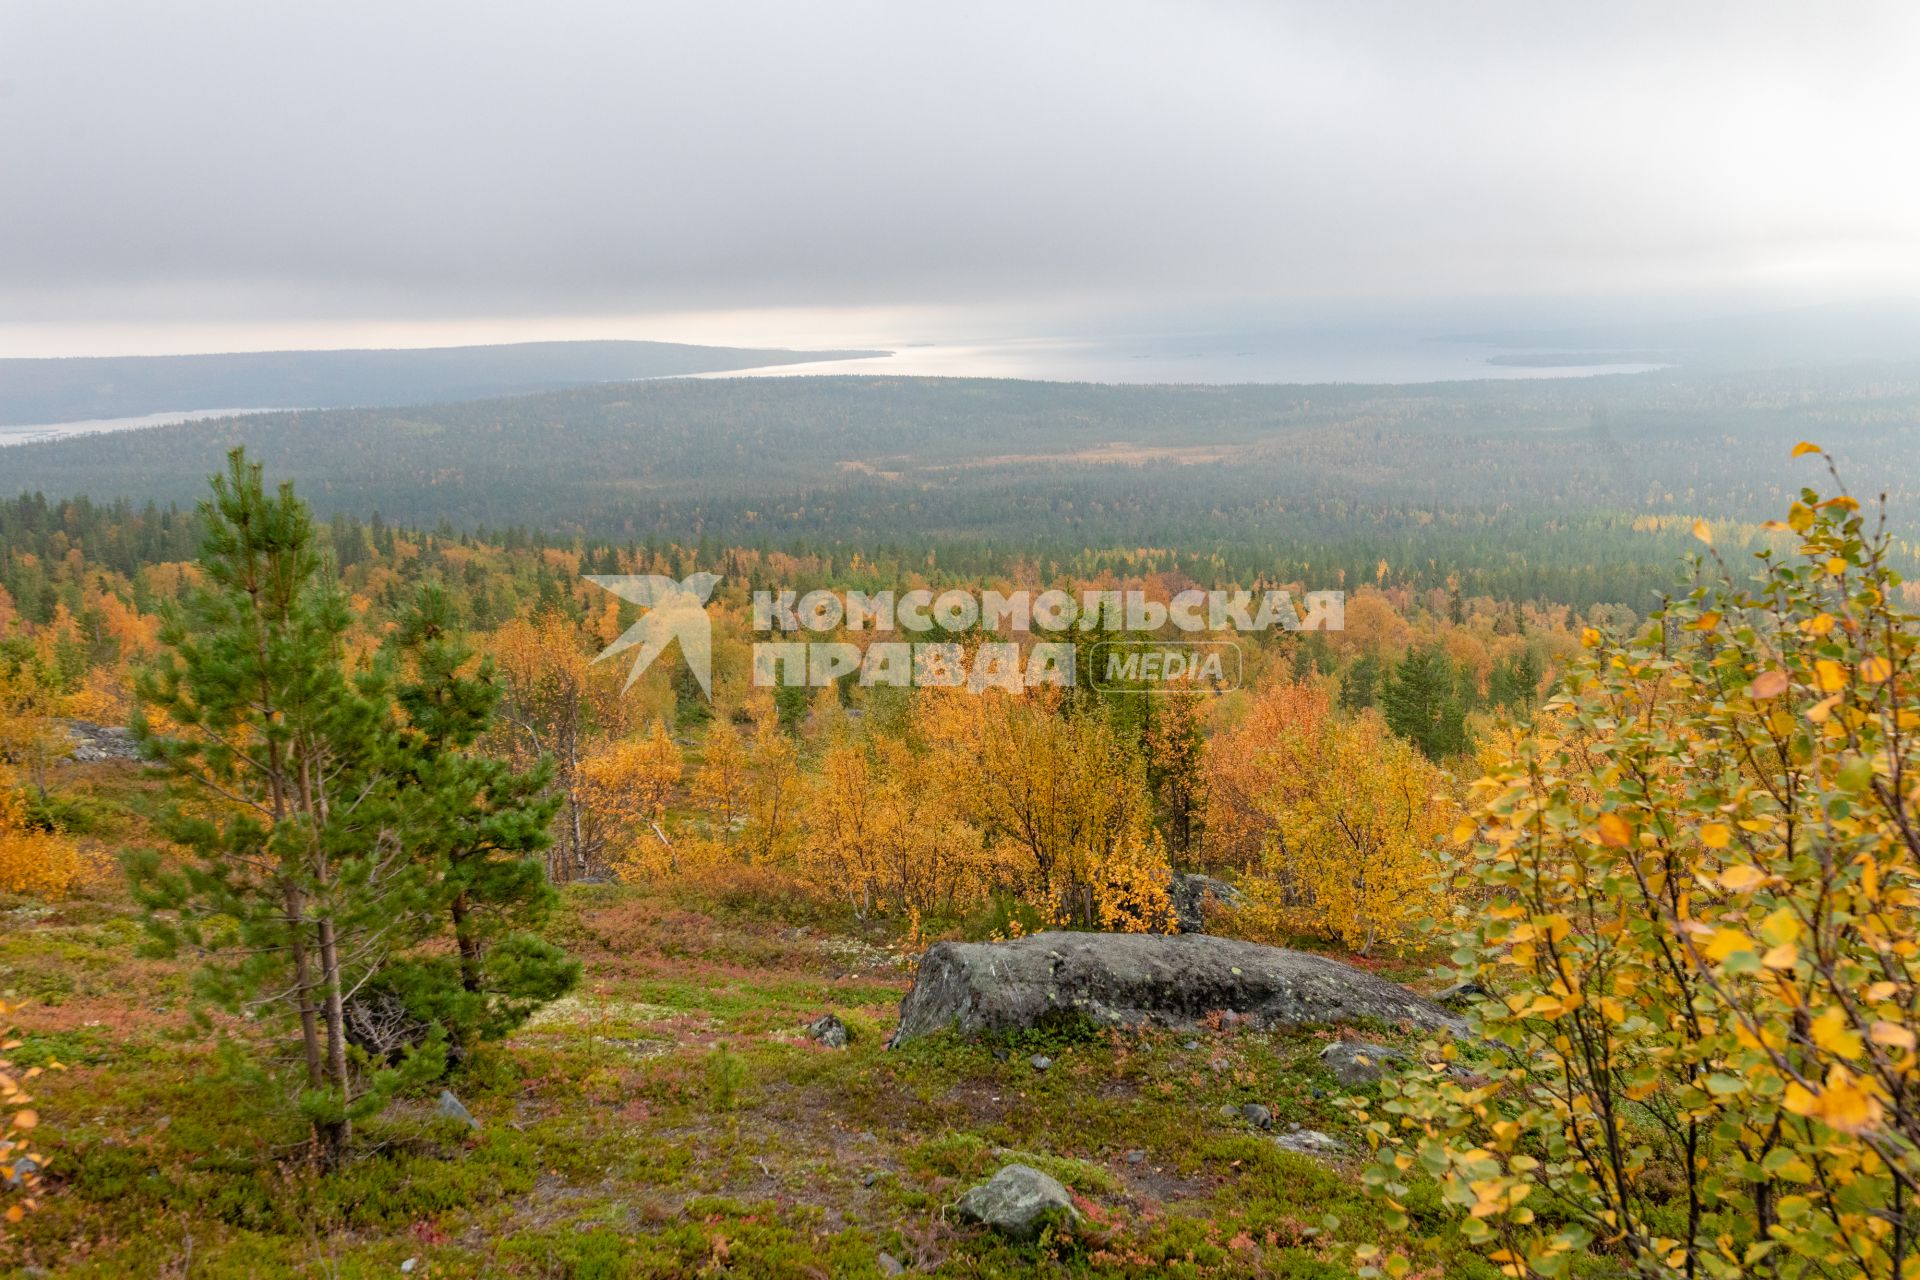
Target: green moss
[(672, 1119)]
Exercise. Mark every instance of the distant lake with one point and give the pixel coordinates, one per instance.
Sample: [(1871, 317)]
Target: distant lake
[(1216, 358), (1224, 358), (58, 430)]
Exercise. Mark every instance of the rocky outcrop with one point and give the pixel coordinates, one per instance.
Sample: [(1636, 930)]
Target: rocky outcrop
[(1190, 893), (92, 742), (1145, 980)]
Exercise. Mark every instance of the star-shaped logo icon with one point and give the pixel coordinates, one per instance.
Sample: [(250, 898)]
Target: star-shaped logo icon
[(674, 610)]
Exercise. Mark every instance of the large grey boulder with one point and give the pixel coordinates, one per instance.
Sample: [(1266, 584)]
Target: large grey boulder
[(1018, 1201), (1189, 893), (1145, 980)]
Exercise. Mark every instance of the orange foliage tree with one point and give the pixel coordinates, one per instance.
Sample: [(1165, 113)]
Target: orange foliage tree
[(627, 785), (1060, 801), (882, 833), (1343, 824)]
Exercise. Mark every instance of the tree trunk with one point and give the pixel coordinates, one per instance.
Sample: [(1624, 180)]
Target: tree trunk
[(334, 1134), (469, 945), (303, 986)]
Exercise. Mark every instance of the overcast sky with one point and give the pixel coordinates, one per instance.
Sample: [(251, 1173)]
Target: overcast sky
[(218, 175)]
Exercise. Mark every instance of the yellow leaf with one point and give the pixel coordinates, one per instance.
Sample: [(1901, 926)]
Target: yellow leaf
[(1891, 1033), (25, 1119), (1784, 956), (1614, 831), (1876, 670), (1589, 638), (1818, 625), (1464, 829), (1703, 531), (1725, 942), (1845, 1104), (1742, 878), (1717, 835), (1768, 684), (1781, 926), (1820, 710), (1836, 566), (1799, 517), (1829, 675), (1804, 448), (1831, 1032)]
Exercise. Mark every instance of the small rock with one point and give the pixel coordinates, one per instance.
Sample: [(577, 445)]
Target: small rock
[(449, 1107), (829, 1031), (22, 1169), (1018, 1202), (868, 1179), (1190, 894), (1355, 1062), (1310, 1142), (1191, 1045), (1229, 1112), (1136, 1157), (1258, 1115), (1462, 995), (406, 1268), (1039, 1062), (889, 1265), (1219, 1064), (864, 1136), (999, 1054)]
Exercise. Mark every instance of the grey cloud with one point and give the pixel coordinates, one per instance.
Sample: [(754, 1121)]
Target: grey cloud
[(212, 161)]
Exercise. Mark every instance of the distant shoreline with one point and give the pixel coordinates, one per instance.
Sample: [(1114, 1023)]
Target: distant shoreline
[(1579, 359)]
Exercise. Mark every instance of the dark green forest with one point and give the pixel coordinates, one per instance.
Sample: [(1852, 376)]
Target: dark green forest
[(1579, 491)]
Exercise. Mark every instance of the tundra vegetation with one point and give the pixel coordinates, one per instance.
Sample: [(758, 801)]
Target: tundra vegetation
[(1674, 855)]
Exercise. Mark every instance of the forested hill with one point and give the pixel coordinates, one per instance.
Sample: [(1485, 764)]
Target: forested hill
[(67, 390), (1574, 490)]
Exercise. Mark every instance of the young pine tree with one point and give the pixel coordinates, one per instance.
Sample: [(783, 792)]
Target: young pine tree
[(479, 828), (1421, 703), (289, 806)]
